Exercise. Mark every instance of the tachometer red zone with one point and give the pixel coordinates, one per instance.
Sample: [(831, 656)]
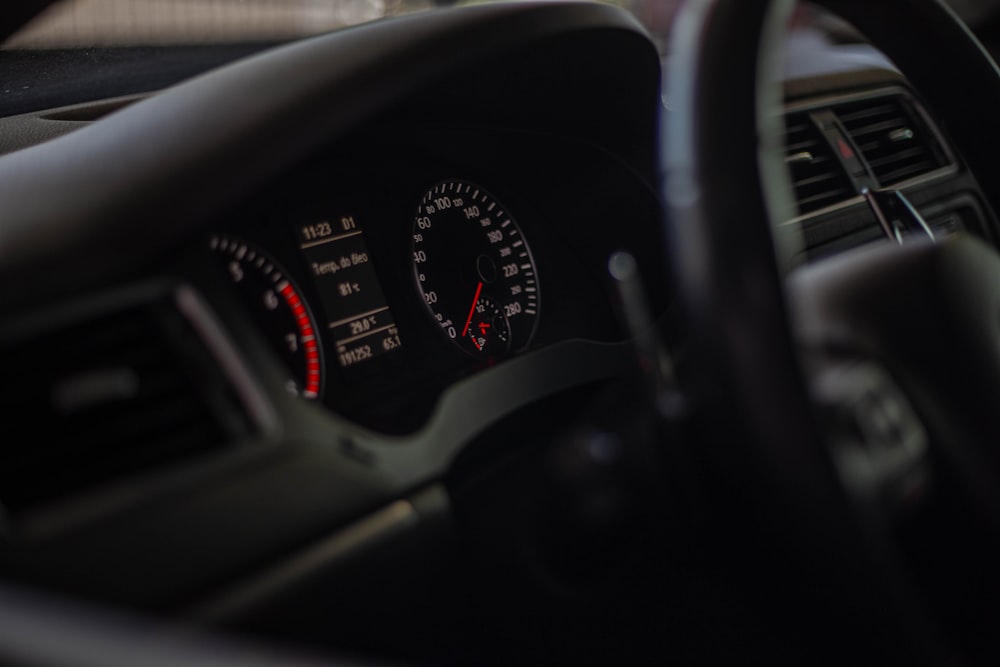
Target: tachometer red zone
[(307, 336), (282, 316)]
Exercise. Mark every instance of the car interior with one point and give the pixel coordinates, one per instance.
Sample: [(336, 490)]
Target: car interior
[(505, 333)]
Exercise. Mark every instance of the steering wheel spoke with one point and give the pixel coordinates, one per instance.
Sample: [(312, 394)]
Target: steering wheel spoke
[(877, 440)]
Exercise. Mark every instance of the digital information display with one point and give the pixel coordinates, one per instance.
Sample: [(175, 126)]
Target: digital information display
[(357, 314)]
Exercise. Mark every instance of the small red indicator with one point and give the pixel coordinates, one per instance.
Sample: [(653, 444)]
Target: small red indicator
[(845, 149), (308, 339)]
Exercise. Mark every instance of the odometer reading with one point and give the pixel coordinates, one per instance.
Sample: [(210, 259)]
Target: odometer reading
[(474, 269), (358, 316)]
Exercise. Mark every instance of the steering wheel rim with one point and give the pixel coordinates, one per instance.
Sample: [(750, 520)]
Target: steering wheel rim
[(725, 186)]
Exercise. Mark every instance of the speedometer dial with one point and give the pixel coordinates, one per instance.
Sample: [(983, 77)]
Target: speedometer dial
[(474, 269)]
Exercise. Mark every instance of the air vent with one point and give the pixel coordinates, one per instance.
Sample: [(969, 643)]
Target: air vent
[(818, 177), (893, 138), (98, 399)]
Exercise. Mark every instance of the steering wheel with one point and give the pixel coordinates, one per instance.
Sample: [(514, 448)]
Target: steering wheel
[(881, 521)]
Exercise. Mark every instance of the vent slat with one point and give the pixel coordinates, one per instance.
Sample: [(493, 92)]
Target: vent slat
[(914, 155), (813, 180), (867, 110), (824, 198), (880, 128), (909, 171), (798, 146)]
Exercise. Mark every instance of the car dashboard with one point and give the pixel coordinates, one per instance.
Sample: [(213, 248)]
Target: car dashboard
[(273, 333), (308, 327)]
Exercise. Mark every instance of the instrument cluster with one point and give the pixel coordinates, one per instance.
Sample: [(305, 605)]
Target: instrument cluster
[(383, 273)]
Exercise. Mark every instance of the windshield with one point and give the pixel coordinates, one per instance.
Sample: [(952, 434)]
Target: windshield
[(83, 50), (105, 23), (114, 23)]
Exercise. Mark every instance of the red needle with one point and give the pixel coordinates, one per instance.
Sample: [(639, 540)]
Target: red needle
[(475, 300)]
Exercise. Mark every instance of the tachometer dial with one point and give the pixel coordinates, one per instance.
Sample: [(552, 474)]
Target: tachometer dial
[(474, 269), (279, 310)]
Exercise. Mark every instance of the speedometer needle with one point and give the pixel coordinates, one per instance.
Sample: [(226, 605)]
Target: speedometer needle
[(472, 311)]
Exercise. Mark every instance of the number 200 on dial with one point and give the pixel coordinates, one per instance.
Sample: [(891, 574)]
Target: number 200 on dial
[(474, 269)]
